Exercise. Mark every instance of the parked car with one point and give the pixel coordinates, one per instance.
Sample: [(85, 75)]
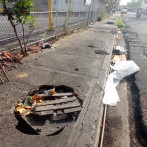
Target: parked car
[(124, 11)]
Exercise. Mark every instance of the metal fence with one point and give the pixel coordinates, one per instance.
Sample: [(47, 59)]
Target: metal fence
[(53, 18)]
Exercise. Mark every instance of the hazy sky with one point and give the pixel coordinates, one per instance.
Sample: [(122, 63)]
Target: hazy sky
[(124, 2)]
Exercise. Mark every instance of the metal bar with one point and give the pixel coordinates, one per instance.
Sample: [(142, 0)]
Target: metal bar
[(79, 13), (56, 18), (50, 15), (103, 126), (67, 16), (88, 15)]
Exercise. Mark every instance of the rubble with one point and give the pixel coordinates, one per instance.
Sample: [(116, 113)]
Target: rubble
[(49, 109), (120, 68), (12, 58)]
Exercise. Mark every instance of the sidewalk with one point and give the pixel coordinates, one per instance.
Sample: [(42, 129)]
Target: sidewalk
[(57, 67)]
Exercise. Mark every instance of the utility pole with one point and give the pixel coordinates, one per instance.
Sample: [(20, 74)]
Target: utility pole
[(50, 15)]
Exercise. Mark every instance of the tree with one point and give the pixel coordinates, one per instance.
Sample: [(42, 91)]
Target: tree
[(19, 14), (134, 4), (112, 3)]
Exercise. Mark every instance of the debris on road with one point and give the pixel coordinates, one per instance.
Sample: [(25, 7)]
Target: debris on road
[(76, 69), (118, 50), (46, 46), (12, 58), (116, 31), (49, 109), (120, 68), (35, 48), (4, 73), (99, 19)]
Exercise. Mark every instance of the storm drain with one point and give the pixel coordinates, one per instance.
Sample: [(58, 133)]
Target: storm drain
[(48, 110)]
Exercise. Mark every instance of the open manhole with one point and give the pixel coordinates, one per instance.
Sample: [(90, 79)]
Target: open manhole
[(48, 110)]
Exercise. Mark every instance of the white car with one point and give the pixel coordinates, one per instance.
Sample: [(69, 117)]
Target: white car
[(124, 11)]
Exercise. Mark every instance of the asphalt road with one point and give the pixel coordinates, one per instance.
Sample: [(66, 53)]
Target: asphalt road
[(136, 41)]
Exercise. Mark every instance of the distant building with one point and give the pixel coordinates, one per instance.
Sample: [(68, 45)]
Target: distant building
[(75, 5), (144, 6)]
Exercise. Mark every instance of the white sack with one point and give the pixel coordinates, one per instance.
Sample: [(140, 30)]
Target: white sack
[(110, 97), (123, 69)]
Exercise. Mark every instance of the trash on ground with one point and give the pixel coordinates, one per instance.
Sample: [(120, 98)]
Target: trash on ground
[(46, 45), (99, 19), (118, 50), (49, 109), (54, 46), (116, 31), (121, 70), (13, 58), (115, 59), (4, 73), (77, 69), (35, 48)]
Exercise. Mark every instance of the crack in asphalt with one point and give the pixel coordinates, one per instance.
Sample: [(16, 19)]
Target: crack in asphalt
[(135, 95)]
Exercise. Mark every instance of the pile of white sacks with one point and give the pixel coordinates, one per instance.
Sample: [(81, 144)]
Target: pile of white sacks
[(121, 70)]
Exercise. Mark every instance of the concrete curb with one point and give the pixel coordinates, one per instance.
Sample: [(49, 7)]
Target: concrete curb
[(98, 129), (96, 93)]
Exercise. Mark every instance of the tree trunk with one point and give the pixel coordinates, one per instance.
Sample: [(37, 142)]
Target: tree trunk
[(15, 31)]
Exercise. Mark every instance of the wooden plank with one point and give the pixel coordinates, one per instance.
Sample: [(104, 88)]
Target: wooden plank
[(66, 111), (56, 95), (4, 72), (56, 107), (58, 101), (76, 109), (41, 113), (1, 80), (63, 94)]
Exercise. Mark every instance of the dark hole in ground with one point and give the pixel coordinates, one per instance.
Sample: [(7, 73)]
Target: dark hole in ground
[(110, 22), (92, 46), (25, 128), (56, 111), (103, 52)]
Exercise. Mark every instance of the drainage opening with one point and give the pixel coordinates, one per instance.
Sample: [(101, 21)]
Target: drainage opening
[(48, 111)]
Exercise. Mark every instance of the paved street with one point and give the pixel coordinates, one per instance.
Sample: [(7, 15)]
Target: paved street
[(136, 40)]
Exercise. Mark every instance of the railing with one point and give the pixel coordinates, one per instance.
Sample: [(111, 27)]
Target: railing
[(53, 18)]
